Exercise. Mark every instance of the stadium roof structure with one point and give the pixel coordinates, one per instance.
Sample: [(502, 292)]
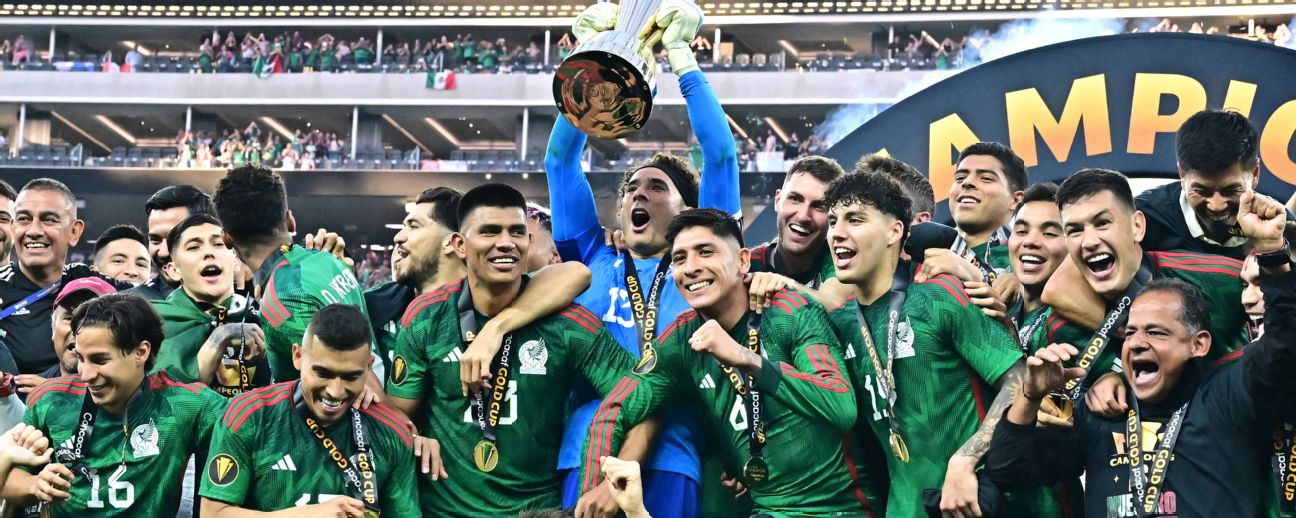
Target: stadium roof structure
[(560, 11)]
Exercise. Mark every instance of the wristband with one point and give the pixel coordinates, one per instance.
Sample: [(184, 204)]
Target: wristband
[(1275, 259)]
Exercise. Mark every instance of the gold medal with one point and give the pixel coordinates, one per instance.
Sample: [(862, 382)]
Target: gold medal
[(898, 447), (486, 456), (756, 471), (1058, 405), (371, 514)]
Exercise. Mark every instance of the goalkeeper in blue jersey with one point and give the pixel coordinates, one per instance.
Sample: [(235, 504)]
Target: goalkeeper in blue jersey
[(651, 194)]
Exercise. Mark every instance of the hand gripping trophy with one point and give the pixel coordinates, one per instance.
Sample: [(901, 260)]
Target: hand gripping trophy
[(605, 87)]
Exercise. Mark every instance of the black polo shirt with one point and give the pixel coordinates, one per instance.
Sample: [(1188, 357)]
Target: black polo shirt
[(27, 334)]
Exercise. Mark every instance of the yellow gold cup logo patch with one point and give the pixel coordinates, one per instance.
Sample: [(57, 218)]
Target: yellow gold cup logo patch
[(400, 370), (222, 470)]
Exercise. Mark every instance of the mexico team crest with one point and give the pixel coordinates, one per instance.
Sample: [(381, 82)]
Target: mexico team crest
[(533, 355), (144, 440), (904, 339)]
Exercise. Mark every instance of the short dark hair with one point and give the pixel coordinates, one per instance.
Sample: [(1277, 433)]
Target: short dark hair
[(1046, 191), (821, 168), (1212, 141), (252, 203), (1195, 315), (721, 224), (340, 327), (488, 195), (7, 191), (1014, 168), (1088, 182), (875, 190), (117, 232), (187, 196), (50, 184), (445, 203), (922, 197), (678, 169), (195, 219), (130, 319)]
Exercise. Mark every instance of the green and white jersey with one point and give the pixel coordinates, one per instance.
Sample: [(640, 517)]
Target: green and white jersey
[(807, 403), (948, 355), (295, 282), (135, 462), (764, 258), (264, 457), (546, 358), (188, 323)]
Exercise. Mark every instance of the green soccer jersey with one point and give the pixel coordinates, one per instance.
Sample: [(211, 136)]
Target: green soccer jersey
[(995, 254), (188, 323), (947, 357), (545, 358), (296, 282), (764, 259), (807, 404), (1219, 279), (135, 466), (264, 457)]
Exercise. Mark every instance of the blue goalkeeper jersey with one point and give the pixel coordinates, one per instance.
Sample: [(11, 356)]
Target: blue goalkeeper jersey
[(579, 236)]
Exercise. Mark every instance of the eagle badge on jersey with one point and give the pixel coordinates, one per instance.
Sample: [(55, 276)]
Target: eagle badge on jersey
[(144, 440), (533, 356), (904, 339)]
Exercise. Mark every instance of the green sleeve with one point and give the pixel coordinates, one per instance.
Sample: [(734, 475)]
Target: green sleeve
[(400, 495), (634, 397), (814, 385), (229, 472), (280, 339), (212, 408), (601, 359), (410, 366), (981, 341)]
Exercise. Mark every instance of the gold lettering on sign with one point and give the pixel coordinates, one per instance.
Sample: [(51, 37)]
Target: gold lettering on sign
[(1028, 114), (1146, 119), (945, 134)]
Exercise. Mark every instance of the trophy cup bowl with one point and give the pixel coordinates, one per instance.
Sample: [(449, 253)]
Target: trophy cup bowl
[(605, 87)]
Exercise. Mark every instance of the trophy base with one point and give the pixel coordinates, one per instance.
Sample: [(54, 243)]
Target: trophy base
[(603, 92)]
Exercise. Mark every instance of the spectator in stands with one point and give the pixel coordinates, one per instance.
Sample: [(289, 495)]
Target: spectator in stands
[(289, 158), (21, 51), (5, 49), (793, 148), (133, 58)]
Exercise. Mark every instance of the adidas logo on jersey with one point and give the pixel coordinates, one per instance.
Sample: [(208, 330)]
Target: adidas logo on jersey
[(452, 356), (285, 464), (707, 382), (850, 351)]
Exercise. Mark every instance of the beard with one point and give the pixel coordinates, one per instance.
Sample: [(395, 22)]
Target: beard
[(418, 272)]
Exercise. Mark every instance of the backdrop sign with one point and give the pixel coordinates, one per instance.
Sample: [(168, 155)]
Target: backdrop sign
[(1112, 102)]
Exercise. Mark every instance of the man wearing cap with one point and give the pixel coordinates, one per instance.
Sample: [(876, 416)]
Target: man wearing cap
[(72, 295)]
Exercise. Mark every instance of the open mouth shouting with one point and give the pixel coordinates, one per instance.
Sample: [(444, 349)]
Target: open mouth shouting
[(842, 256), (1144, 373), (211, 273), (1101, 264), (639, 219)]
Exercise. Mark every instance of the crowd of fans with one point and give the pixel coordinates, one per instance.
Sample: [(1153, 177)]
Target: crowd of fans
[(251, 146)]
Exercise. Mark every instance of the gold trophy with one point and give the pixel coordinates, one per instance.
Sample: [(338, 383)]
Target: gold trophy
[(605, 87)]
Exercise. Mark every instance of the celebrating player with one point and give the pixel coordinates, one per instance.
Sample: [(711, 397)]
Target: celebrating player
[(165, 209), (925, 357), (212, 334), (122, 437), (800, 252), (500, 445), (293, 282), (630, 290), (308, 443), (767, 385)]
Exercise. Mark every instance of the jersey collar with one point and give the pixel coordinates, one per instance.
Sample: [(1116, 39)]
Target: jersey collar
[(268, 266)]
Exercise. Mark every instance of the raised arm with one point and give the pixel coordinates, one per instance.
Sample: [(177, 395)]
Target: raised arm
[(571, 199), (718, 188)]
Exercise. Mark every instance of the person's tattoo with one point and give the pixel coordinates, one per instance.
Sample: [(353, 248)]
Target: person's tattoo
[(977, 445)]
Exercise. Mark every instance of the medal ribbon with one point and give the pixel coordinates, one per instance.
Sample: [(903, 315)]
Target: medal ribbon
[(1027, 334), (358, 471), (886, 377), (644, 311), (1102, 336), (29, 300), (1284, 467), (1148, 490), (221, 314), (486, 418)]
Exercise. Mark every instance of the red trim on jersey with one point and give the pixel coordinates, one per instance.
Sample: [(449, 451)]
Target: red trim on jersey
[(439, 295), (1173, 265), (795, 295), (1228, 358), (69, 384), (270, 301), (684, 317), (259, 404), (1064, 499), (579, 319), (791, 297), (376, 411), (826, 375), (854, 475), (161, 380), (953, 285), (780, 305), (1054, 323), (585, 312), (239, 409), (976, 394), (601, 439), (1191, 258)]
